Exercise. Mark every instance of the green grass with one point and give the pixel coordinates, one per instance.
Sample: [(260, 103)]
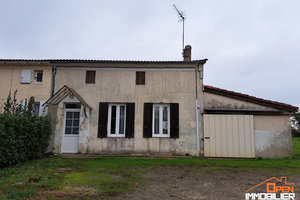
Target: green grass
[(112, 175)]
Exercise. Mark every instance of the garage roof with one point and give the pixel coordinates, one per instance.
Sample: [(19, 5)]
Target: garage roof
[(252, 99)]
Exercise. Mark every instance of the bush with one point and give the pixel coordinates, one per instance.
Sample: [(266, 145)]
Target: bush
[(22, 138), (295, 133)]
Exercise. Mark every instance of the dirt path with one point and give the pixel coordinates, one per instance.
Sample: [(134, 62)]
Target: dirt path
[(192, 183)]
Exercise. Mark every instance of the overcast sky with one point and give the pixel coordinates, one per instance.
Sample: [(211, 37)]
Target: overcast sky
[(252, 46)]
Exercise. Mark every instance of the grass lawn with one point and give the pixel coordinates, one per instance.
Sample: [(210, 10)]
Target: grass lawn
[(86, 178)]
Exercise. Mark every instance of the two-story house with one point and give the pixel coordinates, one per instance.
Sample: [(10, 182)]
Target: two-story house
[(148, 107), (28, 77)]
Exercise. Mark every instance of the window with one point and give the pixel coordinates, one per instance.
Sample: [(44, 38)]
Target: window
[(116, 120), (161, 120), (72, 122), (90, 77), (73, 106), (72, 119), (36, 109), (38, 76), (26, 76), (140, 78)]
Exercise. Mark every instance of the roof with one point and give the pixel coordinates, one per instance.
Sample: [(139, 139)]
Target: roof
[(252, 99), (203, 61), (62, 93)]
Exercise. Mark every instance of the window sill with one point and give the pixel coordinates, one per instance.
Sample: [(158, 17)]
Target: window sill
[(160, 136), (116, 136)]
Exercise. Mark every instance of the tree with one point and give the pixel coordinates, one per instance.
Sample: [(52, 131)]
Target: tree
[(295, 124), (11, 106)]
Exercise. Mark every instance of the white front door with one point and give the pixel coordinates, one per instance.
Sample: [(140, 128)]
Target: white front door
[(71, 131)]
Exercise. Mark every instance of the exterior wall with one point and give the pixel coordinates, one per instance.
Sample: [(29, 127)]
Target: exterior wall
[(273, 137), (162, 86), (272, 134), (10, 81)]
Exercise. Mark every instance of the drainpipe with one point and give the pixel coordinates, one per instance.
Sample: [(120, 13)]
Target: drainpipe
[(52, 80), (197, 112)]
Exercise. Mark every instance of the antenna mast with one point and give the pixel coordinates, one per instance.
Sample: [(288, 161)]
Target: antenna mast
[(182, 18)]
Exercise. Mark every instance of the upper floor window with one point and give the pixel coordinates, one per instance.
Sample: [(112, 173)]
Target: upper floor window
[(90, 77), (38, 76), (26, 76), (116, 120), (161, 120), (140, 78)]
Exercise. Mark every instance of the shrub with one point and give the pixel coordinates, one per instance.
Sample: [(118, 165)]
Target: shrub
[(23, 136)]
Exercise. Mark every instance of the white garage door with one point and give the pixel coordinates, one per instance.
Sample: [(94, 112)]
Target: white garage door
[(228, 136)]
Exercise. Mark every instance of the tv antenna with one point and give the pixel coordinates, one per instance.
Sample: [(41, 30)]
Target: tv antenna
[(181, 16)]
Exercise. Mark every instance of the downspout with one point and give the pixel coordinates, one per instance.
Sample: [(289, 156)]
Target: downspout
[(52, 80), (197, 111)]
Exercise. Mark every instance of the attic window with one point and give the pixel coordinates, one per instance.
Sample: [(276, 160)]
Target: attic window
[(90, 77), (140, 78)]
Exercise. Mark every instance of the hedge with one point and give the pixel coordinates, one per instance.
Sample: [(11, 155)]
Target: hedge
[(22, 138)]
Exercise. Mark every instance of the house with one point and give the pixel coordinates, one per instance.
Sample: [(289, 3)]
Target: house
[(159, 107), (28, 77)]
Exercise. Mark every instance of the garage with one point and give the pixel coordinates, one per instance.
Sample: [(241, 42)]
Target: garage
[(237, 125), (229, 136)]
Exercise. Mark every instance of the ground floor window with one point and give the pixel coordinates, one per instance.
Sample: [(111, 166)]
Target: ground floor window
[(116, 120), (161, 120)]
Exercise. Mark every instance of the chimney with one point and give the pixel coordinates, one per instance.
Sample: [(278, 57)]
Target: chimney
[(187, 53)]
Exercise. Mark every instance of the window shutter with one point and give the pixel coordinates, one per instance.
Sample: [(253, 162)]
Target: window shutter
[(90, 77), (130, 120), (26, 76), (147, 132), (140, 78), (102, 123), (174, 112)]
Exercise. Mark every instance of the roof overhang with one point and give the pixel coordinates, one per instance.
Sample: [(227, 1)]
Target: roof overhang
[(63, 93)]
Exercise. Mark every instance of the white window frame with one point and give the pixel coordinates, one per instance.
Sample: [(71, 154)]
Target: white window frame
[(160, 120), (117, 121), (35, 76)]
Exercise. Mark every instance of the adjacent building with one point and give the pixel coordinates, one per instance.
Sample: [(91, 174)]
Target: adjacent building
[(28, 77)]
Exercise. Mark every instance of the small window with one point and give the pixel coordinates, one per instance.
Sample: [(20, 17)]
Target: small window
[(26, 76), (90, 77), (36, 109), (73, 106), (38, 76), (116, 120), (161, 120), (140, 78)]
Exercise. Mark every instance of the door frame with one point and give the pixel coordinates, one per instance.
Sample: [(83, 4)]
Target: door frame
[(64, 128)]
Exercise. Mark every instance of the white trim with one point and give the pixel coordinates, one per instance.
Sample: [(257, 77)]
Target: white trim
[(160, 120), (117, 134)]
